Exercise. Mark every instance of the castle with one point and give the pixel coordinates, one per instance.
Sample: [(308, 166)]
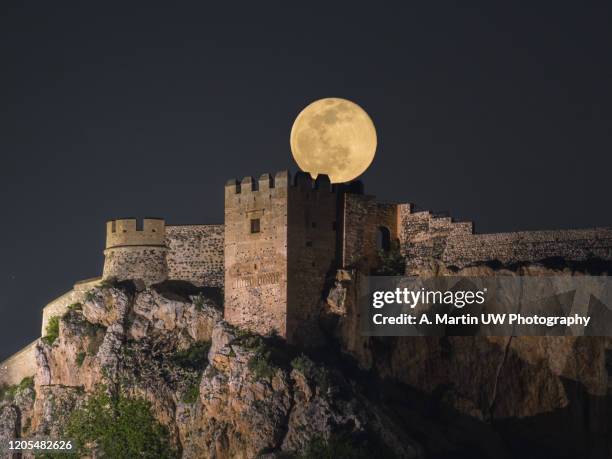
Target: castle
[(284, 236)]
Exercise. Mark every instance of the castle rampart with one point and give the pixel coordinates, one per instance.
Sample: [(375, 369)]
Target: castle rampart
[(59, 306), (426, 236), (20, 365), (423, 235), (23, 363), (196, 254), (525, 246)]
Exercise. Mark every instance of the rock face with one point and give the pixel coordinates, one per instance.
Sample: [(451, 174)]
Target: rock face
[(224, 393), (250, 396), (243, 414), (551, 395), (16, 415)]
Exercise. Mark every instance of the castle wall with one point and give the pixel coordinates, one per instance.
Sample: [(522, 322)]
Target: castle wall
[(145, 263), (196, 254), (426, 236), (256, 262), (363, 216), (576, 245), (59, 306), (23, 363), (312, 239), (18, 366), (423, 235)]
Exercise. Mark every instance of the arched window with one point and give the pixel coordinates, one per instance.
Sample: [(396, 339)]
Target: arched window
[(383, 239)]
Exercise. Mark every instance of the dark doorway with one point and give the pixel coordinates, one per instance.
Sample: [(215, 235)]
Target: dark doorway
[(383, 239)]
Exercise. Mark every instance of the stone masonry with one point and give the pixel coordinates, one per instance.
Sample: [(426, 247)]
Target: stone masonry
[(135, 253), (195, 254), (363, 218), (156, 252), (425, 236)]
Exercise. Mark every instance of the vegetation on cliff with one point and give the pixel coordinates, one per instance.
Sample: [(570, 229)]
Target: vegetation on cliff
[(308, 368), (7, 393), (194, 357), (52, 330), (391, 262), (116, 426)]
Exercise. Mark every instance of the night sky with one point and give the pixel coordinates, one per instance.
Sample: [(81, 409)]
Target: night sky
[(498, 114)]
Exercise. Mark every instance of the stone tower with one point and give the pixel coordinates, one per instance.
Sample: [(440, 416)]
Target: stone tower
[(281, 242), (136, 252)]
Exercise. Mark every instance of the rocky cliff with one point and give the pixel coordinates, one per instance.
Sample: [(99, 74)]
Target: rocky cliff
[(157, 366), (538, 396), (211, 390)]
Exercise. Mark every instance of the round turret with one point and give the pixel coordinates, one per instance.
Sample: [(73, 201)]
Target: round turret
[(136, 252)]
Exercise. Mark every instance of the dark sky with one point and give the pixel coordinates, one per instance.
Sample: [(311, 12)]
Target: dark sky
[(497, 113)]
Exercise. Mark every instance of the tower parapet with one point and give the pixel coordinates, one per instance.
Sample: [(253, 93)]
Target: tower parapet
[(127, 232), (136, 251)]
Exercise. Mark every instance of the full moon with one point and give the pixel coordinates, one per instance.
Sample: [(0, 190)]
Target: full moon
[(335, 137)]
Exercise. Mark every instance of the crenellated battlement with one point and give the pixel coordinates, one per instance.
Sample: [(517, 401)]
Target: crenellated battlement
[(266, 182), (282, 180), (128, 232), (322, 183)]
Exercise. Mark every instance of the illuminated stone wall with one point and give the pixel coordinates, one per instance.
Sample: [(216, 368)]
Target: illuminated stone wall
[(256, 262), (18, 366), (196, 254), (427, 237)]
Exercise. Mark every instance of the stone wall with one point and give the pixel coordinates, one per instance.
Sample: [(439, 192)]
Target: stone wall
[(423, 235), (196, 254), (132, 262), (18, 366), (523, 246), (154, 252), (23, 363), (363, 216), (59, 306), (427, 236)]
